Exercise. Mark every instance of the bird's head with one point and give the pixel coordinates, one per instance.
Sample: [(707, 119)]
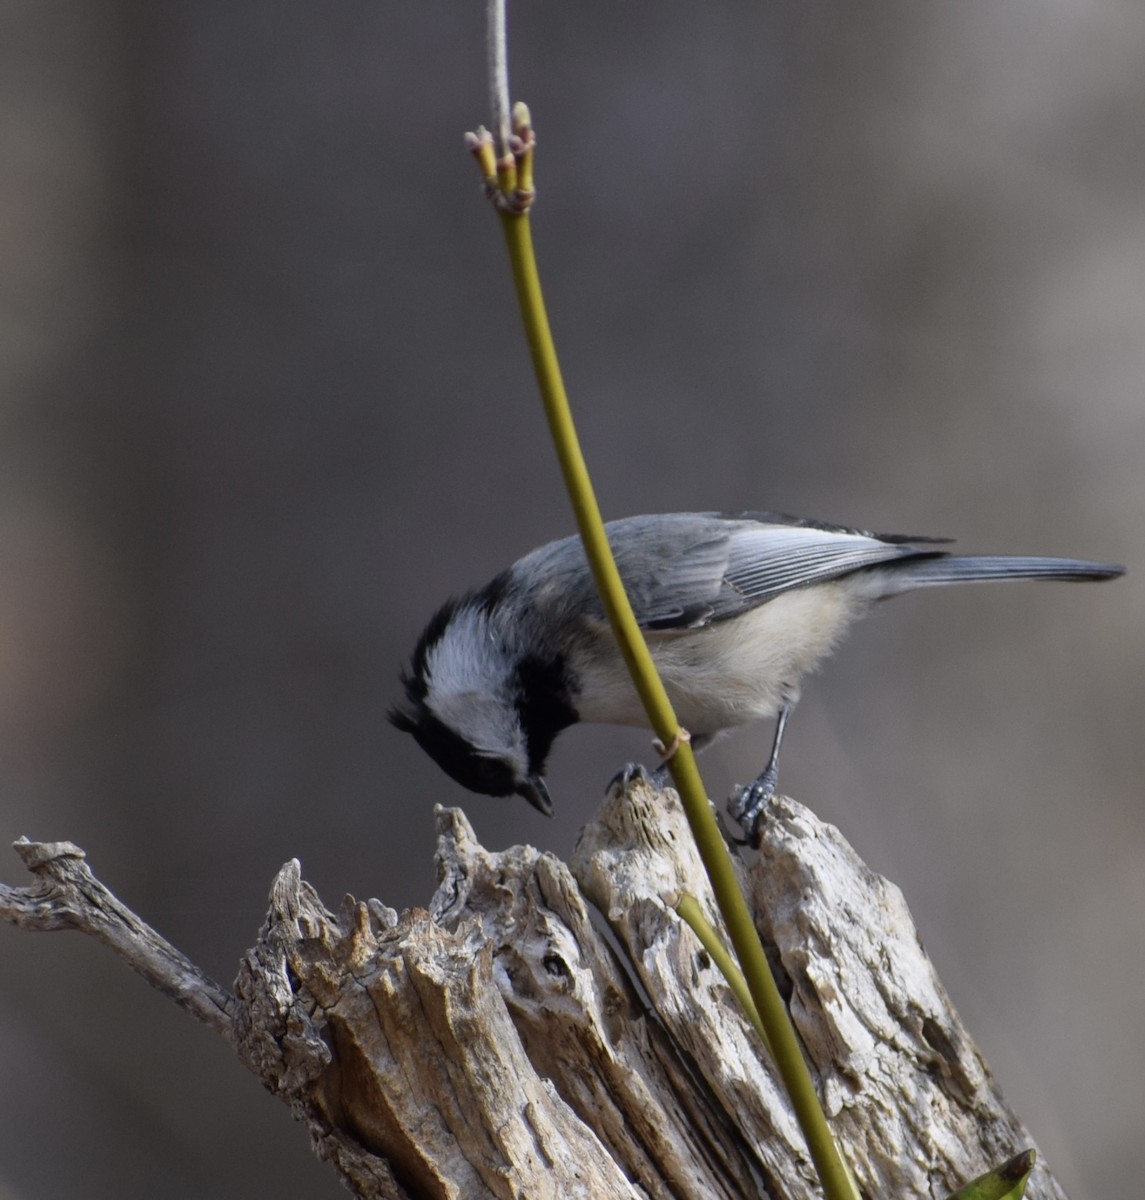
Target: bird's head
[(468, 704)]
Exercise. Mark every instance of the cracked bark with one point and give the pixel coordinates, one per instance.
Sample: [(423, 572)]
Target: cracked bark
[(500, 1044)]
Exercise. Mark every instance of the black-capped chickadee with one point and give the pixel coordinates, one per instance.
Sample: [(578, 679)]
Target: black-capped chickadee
[(735, 610)]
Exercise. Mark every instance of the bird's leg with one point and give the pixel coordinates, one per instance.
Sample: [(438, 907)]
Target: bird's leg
[(746, 804)]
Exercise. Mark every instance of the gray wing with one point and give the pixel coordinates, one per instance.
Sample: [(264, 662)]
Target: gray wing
[(689, 570)]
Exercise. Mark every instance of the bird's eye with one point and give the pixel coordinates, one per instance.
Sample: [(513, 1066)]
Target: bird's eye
[(490, 774)]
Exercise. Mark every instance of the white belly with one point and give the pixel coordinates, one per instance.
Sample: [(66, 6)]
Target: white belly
[(729, 672)]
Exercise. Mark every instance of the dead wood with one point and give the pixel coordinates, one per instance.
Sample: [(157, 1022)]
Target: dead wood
[(545, 1030)]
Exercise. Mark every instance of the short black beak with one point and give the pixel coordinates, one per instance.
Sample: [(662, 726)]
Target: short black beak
[(534, 790)]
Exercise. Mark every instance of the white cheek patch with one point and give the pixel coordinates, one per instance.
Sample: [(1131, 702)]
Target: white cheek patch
[(466, 658), (468, 689)]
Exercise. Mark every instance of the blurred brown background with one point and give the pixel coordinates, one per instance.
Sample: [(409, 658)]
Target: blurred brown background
[(265, 404)]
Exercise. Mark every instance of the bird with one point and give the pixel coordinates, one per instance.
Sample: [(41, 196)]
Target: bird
[(736, 608)]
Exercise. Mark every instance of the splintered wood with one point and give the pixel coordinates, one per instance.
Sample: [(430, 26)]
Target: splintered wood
[(553, 1031)]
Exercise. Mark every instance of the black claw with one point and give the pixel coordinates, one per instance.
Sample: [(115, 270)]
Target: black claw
[(626, 776), (631, 772)]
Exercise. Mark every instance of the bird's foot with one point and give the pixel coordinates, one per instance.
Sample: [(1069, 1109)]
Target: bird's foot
[(637, 772), (747, 805)]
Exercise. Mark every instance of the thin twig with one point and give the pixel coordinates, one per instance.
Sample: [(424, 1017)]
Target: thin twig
[(68, 896), (497, 46)]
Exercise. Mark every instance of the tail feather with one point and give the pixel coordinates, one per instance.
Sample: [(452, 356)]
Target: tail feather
[(907, 574)]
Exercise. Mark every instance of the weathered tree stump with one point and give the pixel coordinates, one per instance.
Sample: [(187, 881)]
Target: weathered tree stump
[(548, 1030)]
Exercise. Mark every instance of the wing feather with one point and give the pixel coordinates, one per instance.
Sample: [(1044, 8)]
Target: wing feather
[(709, 568)]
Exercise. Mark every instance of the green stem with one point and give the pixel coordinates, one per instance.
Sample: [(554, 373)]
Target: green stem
[(836, 1180), (692, 915)]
